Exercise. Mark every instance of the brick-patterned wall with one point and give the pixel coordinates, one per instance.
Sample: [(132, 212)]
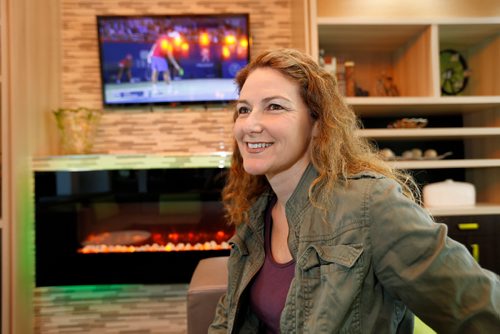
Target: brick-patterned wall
[(196, 131), (111, 309), (270, 26), (165, 132)]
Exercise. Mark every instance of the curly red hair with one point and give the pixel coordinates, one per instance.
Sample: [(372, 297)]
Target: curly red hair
[(337, 150)]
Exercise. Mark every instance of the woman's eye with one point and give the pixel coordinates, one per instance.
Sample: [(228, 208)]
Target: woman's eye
[(274, 106), (243, 110)]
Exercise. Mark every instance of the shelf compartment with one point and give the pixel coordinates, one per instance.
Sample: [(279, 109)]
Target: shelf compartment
[(479, 44), (429, 133), (402, 51)]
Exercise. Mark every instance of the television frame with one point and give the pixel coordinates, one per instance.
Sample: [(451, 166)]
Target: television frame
[(215, 98)]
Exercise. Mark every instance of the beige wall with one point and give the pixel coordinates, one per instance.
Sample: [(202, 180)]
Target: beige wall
[(30, 88)]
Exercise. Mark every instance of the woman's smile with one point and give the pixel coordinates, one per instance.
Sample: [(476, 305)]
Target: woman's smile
[(257, 147)]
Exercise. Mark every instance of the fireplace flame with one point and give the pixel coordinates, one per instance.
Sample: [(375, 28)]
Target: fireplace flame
[(137, 241), (170, 247)]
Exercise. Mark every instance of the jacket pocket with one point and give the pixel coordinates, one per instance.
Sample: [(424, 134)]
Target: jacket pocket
[(331, 279), (330, 258)]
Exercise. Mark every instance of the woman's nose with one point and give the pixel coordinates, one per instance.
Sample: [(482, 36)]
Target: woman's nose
[(254, 122)]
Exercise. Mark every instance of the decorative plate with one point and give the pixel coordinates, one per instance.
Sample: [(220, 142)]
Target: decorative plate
[(454, 72), (130, 237)]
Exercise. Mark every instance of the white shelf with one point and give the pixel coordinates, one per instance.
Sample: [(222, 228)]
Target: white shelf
[(414, 106), (476, 210), (452, 163), (430, 133)]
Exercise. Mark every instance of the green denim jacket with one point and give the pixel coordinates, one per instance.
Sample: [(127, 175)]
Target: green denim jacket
[(378, 259)]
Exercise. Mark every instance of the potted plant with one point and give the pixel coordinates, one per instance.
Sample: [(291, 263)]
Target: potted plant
[(77, 128)]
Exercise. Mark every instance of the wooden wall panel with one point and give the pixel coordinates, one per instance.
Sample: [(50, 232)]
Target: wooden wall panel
[(30, 88)]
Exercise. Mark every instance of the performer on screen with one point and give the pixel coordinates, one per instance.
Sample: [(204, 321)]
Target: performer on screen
[(125, 67), (157, 58)]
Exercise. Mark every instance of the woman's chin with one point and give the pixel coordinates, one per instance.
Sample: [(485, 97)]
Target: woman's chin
[(254, 169)]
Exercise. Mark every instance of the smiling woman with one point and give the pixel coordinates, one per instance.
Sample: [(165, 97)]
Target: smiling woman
[(328, 237), (273, 128)]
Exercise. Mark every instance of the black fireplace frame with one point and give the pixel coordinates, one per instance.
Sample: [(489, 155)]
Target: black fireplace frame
[(57, 262)]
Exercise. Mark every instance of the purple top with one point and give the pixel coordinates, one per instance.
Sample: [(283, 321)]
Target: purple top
[(270, 286)]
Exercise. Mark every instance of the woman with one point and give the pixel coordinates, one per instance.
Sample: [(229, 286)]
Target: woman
[(329, 238)]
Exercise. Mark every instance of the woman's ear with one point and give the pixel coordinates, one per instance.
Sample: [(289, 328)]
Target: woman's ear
[(315, 129)]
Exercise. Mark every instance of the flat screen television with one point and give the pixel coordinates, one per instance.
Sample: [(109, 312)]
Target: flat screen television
[(171, 59)]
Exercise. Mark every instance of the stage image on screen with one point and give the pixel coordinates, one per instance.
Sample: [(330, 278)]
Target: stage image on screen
[(171, 59)]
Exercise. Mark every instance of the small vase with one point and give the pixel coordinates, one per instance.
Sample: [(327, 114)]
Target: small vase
[(77, 128)]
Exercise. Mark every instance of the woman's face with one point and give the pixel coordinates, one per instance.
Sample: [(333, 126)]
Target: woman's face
[(273, 128)]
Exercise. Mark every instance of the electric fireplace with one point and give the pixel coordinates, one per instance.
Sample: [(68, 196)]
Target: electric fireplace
[(148, 226)]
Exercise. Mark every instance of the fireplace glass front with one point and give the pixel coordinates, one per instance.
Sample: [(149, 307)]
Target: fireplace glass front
[(127, 226)]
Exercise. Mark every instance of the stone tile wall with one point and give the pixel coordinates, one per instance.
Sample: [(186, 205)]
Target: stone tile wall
[(167, 131), (106, 309)]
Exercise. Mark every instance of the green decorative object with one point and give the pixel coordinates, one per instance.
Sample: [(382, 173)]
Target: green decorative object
[(454, 72), (77, 128)]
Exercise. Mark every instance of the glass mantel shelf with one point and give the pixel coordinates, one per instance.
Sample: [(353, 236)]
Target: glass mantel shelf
[(90, 162)]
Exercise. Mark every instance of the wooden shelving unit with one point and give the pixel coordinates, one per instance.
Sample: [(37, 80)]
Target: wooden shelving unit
[(408, 49)]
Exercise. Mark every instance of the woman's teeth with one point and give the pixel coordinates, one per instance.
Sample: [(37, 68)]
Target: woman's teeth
[(258, 145)]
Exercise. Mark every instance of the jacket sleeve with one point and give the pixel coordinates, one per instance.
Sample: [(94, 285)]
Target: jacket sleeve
[(219, 324), (435, 276)]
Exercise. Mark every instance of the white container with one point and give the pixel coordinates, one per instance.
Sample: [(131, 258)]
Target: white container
[(449, 193)]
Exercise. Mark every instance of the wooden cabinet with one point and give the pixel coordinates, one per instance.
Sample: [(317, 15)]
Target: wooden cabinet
[(479, 234), (407, 48)]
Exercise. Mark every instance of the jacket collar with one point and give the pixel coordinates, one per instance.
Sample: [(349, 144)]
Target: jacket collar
[(256, 214), (300, 196), (297, 202)]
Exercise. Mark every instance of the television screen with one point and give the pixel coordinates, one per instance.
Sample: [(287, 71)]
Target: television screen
[(169, 59)]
